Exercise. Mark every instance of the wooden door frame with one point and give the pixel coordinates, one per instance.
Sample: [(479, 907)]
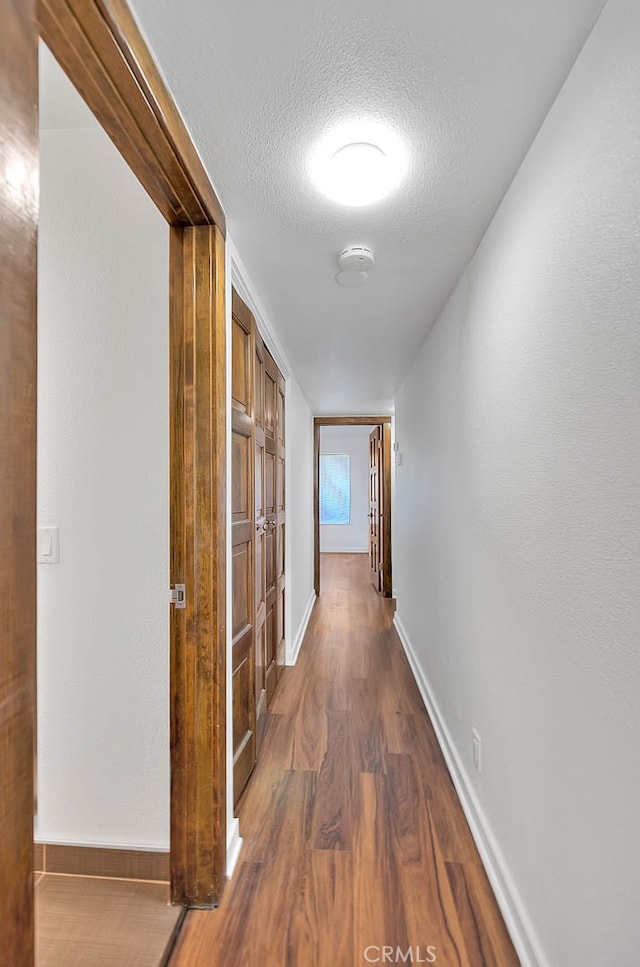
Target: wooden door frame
[(18, 286), (385, 423), (101, 49)]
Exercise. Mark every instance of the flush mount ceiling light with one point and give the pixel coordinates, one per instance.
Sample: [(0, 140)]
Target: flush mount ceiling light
[(358, 164)]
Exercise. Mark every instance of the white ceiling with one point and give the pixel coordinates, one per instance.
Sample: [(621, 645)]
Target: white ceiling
[(466, 84)]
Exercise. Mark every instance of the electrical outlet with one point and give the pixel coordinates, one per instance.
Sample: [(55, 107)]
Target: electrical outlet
[(477, 750)]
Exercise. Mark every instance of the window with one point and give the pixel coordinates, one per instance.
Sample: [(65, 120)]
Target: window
[(335, 488)]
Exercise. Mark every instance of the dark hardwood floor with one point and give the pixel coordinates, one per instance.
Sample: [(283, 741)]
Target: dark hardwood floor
[(353, 834)]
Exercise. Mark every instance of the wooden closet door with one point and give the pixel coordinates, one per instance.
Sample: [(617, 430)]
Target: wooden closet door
[(271, 374), (375, 482), (260, 527), (243, 536), (280, 520), (385, 513)]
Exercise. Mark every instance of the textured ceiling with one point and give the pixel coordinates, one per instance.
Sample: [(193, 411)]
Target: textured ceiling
[(465, 84)]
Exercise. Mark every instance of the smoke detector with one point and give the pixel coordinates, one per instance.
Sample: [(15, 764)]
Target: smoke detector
[(356, 258)]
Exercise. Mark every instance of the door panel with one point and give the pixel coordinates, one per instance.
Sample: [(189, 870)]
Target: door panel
[(241, 365), (279, 629), (243, 554), (280, 521), (274, 492), (260, 530), (241, 481), (258, 377), (269, 480), (271, 668), (280, 428), (270, 390), (270, 539), (242, 569), (271, 569)]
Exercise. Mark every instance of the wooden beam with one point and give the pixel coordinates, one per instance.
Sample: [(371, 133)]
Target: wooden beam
[(18, 232), (351, 420), (99, 46), (198, 529)]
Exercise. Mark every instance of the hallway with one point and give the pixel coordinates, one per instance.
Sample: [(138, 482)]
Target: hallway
[(353, 834)]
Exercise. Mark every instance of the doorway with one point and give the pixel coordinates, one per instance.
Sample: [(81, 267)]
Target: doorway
[(102, 51), (373, 539), (105, 56), (103, 548)]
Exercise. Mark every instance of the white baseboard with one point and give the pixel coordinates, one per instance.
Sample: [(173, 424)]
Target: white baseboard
[(234, 845), (516, 919), (293, 651)]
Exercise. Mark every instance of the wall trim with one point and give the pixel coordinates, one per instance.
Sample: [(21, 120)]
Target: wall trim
[(234, 846), (516, 918), (294, 649), (101, 47)]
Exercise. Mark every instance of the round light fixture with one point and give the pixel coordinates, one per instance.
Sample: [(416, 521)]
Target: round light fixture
[(358, 164)]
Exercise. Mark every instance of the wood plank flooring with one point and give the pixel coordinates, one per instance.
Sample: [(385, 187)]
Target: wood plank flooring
[(84, 921), (354, 837)]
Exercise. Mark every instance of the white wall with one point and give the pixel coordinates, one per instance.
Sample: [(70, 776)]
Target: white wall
[(517, 557), (350, 538), (103, 633), (299, 594)]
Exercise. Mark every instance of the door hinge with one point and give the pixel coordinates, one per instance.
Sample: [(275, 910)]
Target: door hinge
[(178, 595)]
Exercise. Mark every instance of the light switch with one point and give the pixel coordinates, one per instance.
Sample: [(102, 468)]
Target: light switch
[(48, 545)]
